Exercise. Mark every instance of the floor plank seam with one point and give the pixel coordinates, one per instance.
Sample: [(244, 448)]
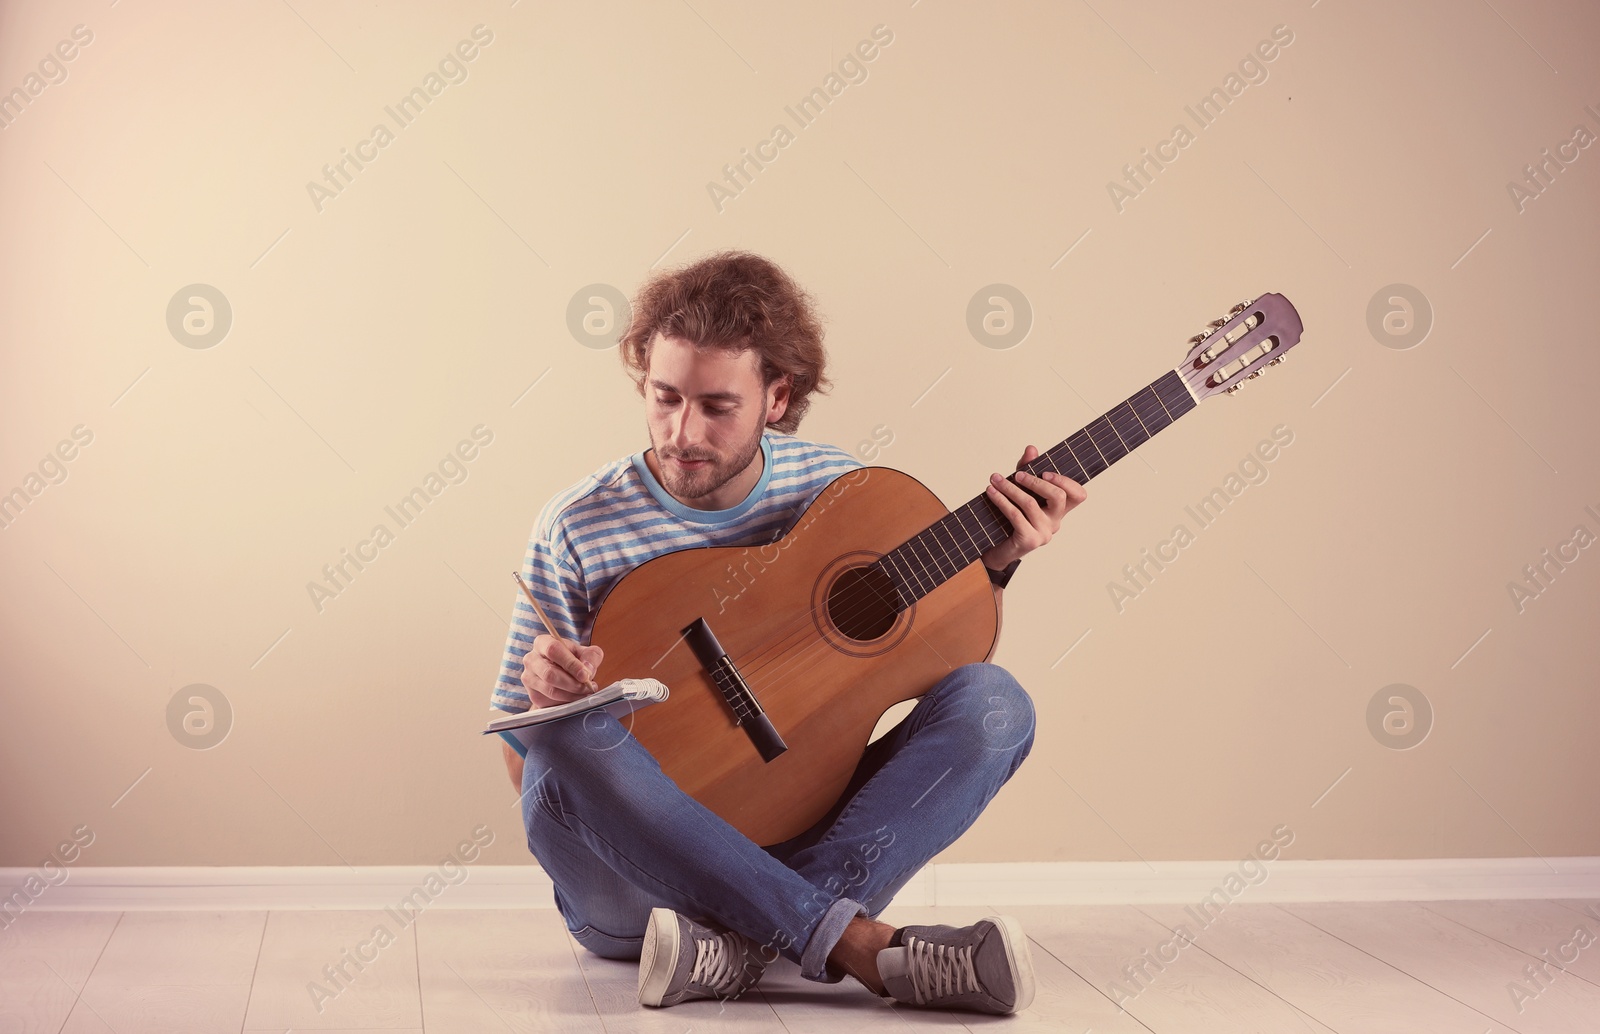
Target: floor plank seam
[(1508, 944), (244, 1021), (1254, 979), (594, 1003), (1401, 971)]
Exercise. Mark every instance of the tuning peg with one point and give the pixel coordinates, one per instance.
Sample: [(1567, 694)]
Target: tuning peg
[(1232, 388), (1275, 360)]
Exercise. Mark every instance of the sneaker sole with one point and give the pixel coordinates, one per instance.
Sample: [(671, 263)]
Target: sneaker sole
[(660, 945), (1019, 957)]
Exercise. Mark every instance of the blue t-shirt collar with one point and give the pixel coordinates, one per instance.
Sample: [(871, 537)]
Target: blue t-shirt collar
[(689, 513)]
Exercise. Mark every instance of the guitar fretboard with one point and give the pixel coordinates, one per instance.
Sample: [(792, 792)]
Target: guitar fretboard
[(934, 555)]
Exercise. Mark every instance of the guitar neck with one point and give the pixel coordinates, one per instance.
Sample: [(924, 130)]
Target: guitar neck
[(934, 555)]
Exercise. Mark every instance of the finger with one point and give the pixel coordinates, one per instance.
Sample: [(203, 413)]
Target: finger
[(548, 678), (537, 675), (561, 692), (550, 697), (1073, 491), (1021, 523), (1019, 496), (533, 665), (1054, 494), (593, 657), (568, 663)]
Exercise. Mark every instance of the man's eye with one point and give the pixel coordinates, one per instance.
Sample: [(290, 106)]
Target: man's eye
[(714, 410)]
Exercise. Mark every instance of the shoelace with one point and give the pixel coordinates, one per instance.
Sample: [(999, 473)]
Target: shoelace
[(713, 964), (939, 970)]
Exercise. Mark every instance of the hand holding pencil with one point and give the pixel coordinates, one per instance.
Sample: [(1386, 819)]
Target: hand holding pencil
[(557, 670)]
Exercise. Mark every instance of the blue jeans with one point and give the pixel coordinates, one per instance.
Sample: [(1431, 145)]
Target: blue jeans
[(618, 838)]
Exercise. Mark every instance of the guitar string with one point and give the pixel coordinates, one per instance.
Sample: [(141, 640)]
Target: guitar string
[(769, 659), (778, 662), (770, 653), (775, 662)]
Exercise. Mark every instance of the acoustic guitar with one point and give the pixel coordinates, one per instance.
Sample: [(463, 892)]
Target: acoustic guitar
[(782, 658)]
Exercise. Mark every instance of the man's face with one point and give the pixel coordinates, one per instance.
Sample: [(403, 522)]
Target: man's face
[(706, 410)]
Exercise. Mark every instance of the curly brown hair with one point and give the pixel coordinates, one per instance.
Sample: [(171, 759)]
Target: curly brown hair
[(737, 301)]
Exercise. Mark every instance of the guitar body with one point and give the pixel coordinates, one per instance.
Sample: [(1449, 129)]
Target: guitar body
[(768, 606)]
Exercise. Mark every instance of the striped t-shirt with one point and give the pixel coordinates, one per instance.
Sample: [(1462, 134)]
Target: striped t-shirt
[(593, 533)]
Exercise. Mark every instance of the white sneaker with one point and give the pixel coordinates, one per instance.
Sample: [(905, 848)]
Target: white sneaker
[(682, 959), (985, 967)]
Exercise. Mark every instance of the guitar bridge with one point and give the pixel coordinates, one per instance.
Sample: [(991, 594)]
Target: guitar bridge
[(747, 711)]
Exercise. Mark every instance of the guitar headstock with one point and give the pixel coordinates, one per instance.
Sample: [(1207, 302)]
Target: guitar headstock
[(1240, 346)]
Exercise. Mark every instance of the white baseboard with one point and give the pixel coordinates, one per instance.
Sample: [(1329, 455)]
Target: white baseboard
[(113, 888)]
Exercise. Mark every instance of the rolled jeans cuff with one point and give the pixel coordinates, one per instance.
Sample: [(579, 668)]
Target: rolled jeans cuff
[(814, 960)]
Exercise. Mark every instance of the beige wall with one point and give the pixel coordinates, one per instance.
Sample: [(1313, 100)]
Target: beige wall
[(367, 338)]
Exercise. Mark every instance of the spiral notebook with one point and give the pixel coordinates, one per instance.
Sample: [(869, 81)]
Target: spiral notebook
[(628, 693)]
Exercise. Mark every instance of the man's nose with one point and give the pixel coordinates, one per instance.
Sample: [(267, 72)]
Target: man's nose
[(687, 428)]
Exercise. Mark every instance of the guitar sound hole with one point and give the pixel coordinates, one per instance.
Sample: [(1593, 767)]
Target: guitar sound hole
[(861, 603)]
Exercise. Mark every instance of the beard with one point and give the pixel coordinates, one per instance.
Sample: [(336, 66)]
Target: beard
[(695, 484)]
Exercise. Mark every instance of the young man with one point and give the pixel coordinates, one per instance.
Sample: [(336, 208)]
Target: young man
[(727, 353)]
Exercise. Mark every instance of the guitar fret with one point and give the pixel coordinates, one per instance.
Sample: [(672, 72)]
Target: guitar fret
[(1110, 421), (896, 579), (1156, 412), (961, 522), (906, 558), (1162, 403), (968, 511), (1102, 442), (1129, 430), (1134, 409), (925, 557), (1080, 476), (992, 523), (1176, 398), (896, 564), (926, 563), (930, 539), (947, 546), (980, 511), (1106, 461), (1040, 463), (1088, 468), (949, 557), (963, 538)]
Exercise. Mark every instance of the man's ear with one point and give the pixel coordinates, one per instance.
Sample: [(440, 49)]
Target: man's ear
[(779, 392)]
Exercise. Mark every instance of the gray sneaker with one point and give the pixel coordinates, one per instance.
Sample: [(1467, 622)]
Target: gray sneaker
[(682, 959), (985, 967)]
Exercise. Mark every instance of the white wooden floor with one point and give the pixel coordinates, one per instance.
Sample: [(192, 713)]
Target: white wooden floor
[(1367, 968)]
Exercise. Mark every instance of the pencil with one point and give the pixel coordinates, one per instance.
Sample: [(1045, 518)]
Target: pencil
[(548, 624)]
